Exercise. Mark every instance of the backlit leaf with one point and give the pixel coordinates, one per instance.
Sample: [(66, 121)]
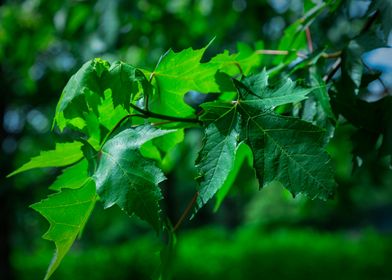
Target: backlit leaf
[(178, 73), (64, 154), (72, 177), (81, 94), (124, 81), (67, 213)]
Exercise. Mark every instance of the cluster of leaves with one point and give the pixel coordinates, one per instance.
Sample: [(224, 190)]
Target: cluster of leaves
[(119, 123)]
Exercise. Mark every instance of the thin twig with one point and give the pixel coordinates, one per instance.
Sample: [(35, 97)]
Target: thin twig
[(309, 39), (161, 123), (239, 67), (334, 68), (331, 55), (149, 114), (369, 22), (280, 52), (186, 211)]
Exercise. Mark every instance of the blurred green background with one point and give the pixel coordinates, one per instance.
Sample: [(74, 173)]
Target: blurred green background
[(255, 234)]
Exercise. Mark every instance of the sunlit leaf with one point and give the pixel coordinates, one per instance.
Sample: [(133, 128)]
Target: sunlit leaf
[(64, 154), (67, 213), (72, 177), (178, 73)]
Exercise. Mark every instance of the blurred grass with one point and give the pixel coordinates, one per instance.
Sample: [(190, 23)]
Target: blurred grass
[(213, 253)]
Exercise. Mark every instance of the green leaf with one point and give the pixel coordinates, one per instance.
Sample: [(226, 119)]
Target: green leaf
[(352, 63), (245, 61), (321, 94), (293, 39), (258, 94), (124, 177), (385, 9), (125, 82), (285, 149), (72, 177), (178, 73), (242, 154), (64, 154), (373, 117), (81, 94), (289, 150), (67, 213), (216, 157), (160, 148), (109, 115)]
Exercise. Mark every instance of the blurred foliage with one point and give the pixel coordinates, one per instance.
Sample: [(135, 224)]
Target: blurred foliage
[(43, 42), (213, 253)]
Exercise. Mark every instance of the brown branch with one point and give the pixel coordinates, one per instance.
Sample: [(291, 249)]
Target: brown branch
[(309, 39)]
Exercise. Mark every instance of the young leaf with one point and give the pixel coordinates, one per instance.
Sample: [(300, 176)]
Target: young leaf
[(217, 155), (81, 93), (124, 177), (67, 213), (178, 73), (72, 177), (124, 81), (242, 62), (64, 154), (109, 115)]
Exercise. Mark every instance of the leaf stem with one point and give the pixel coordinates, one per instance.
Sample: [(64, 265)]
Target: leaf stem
[(186, 211), (149, 114), (332, 55), (309, 39), (280, 52)]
